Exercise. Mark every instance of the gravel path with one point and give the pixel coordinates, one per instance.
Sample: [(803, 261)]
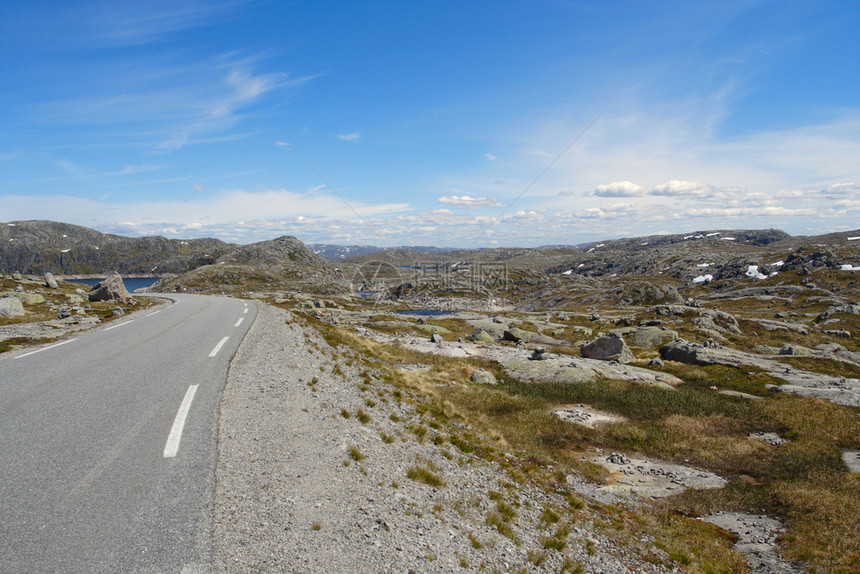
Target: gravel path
[(302, 488)]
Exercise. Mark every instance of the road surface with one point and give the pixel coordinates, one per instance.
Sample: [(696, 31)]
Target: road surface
[(108, 442)]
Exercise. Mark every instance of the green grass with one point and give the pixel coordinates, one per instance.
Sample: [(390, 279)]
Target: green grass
[(425, 475)]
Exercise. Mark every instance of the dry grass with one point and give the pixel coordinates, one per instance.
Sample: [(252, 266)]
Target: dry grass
[(804, 482)]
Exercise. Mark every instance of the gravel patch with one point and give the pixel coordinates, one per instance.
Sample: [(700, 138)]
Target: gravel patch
[(302, 488)]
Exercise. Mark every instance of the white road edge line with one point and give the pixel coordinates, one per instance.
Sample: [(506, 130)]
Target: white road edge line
[(45, 348), (119, 325), (153, 313), (239, 322), (218, 347), (172, 446)]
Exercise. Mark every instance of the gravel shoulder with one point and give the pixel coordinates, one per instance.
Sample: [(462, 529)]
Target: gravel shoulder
[(292, 496)]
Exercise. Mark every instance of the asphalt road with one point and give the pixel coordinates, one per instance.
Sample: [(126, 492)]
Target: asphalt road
[(100, 471)]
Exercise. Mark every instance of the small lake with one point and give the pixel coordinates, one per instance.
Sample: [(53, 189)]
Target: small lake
[(131, 283), (426, 312)]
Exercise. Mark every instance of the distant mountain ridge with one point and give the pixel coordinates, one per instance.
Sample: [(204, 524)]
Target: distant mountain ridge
[(37, 247), (342, 252)]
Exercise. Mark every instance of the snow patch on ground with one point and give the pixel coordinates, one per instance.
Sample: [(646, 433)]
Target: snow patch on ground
[(753, 272), (704, 278)]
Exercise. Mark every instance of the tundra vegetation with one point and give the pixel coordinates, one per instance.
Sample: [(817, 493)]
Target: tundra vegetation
[(772, 410)]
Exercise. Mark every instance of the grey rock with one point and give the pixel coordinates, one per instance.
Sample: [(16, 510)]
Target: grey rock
[(111, 289), (19, 288), (483, 377), (838, 333), (608, 349), (539, 354), (436, 338), (50, 282), (30, 298), (656, 362), (16, 276), (652, 337), (11, 307), (516, 335), (617, 458), (481, 336), (795, 350)]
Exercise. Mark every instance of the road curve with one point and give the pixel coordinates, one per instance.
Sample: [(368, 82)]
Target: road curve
[(108, 441)]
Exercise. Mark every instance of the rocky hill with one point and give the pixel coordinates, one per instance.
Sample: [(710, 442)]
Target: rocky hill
[(37, 247)]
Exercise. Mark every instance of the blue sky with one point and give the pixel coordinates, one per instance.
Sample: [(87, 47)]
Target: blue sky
[(431, 123)]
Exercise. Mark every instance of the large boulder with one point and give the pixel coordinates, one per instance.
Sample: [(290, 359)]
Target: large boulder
[(483, 377), (481, 336), (516, 335), (50, 281), (30, 298), (11, 307), (653, 336), (111, 289), (607, 349)]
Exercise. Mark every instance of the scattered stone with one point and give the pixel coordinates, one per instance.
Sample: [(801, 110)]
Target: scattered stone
[(757, 540), (608, 349), (656, 362), (770, 438), (50, 282), (19, 288), (117, 312), (17, 276), (618, 458), (483, 377), (838, 333), (64, 313), (586, 416), (539, 354), (11, 307)]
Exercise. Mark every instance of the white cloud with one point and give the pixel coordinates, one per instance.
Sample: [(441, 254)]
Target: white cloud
[(682, 188), (620, 189), (468, 201), (349, 137), (490, 156)]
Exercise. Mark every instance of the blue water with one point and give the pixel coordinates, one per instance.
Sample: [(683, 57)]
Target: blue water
[(131, 283), (425, 312)]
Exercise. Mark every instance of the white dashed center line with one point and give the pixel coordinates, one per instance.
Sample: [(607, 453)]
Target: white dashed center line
[(172, 446), (119, 325), (239, 322), (245, 311), (218, 347)]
